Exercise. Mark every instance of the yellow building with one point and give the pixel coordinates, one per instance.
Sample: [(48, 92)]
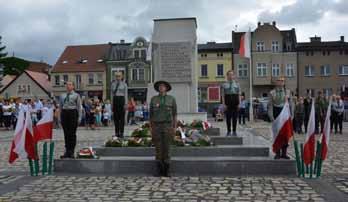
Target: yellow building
[(214, 60)]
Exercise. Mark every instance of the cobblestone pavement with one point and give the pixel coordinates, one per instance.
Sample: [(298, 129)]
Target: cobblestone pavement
[(111, 188)]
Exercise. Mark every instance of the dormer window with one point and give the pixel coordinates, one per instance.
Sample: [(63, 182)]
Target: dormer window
[(84, 61), (65, 62), (100, 60)]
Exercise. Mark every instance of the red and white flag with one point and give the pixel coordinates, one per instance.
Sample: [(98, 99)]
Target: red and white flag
[(282, 129), (325, 138), (309, 144), (244, 46), (23, 145), (43, 128)]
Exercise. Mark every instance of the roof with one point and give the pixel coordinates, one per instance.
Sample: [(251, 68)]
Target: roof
[(6, 80), (119, 51), (38, 67), (41, 79), (322, 45), (213, 47), (173, 19), (82, 58)]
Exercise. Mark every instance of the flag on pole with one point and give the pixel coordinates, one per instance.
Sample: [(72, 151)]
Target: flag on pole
[(23, 145), (309, 145), (43, 128), (282, 128), (325, 138), (244, 46)]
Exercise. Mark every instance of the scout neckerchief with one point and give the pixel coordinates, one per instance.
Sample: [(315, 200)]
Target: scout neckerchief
[(115, 91), (67, 97)]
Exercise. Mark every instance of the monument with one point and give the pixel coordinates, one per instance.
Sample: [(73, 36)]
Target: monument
[(174, 59)]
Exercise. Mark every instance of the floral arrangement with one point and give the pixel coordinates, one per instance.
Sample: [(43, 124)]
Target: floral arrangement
[(114, 142), (141, 132), (87, 153)]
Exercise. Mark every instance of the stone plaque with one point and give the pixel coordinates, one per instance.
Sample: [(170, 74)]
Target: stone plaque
[(176, 58)]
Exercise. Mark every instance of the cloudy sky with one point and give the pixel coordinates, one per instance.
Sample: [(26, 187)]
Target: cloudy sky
[(40, 29)]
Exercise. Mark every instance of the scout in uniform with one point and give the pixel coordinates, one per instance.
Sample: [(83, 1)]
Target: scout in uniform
[(119, 93), (231, 101), (70, 107), (277, 99), (163, 118)]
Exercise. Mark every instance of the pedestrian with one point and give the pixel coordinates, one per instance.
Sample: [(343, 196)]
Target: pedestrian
[(307, 103), (339, 109), (38, 105), (277, 99), (299, 115), (231, 101), (163, 119), (119, 92), (131, 112), (319, 113), (70, 117), (242, 110), (7, 114)]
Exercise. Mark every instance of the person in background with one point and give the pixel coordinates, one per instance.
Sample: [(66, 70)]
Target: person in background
[(299, 115), (33, 112), (307, 103), (319, 112), (108, 109), (98, 113), (333, 113), (7, 114), (131, 112), (242, 110), (338, 107), (1, 113), (146, 111), (105, 116), (56, 115), (38, 105)]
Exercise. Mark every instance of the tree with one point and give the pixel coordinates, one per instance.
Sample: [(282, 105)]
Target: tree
[(2, 48), (14, 65)]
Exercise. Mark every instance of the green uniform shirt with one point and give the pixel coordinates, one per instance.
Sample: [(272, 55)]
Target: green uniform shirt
[(231, 87), (163, 108)]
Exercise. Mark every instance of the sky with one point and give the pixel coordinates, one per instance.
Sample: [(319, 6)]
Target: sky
[(41, 29)]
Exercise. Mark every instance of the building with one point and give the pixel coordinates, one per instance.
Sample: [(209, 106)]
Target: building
[(41, 67), (130, 59), (273, 54), (28, 85), (323, 66), (85, 66), (214, 60)]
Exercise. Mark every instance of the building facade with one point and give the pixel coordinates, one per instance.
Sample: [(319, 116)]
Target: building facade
[(85, 66), (273, 54), (323, 66), (130, 59), (214, 60)]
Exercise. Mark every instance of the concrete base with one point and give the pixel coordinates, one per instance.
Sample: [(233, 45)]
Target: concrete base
[(227, 140), (189, 117), (180, 166), (212, 132)]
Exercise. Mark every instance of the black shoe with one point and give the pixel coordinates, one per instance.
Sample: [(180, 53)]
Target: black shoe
[(159, 170), (166, 170), (277, 157), (234, 134), (285, 157)]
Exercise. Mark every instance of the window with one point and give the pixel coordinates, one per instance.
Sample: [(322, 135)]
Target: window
[(275, 70), (290, 70), (343, 70), (57, 80), (143, 54), (325, 70), (204, 70), (309, 70), (202, 94), (136, 54), (90, 79), (65, 78), (327, 91), (220, 70), (77, 81), (28, 89), (138, 74), (100, 78), (275, 46), (260, 46), (242, 70), (220, 54), (261, 69)]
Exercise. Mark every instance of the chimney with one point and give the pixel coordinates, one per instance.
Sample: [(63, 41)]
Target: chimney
[(274, 23), (122, 41), (315, 39), (342, 38), (258, 24)]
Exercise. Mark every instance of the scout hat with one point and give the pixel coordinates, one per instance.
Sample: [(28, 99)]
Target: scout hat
[(158, 83)]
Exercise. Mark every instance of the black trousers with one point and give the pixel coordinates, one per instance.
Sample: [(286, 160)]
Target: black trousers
[(119, 114), (276, 112), (7, 121), (231, 116), (69, 120), (242, 115), (338, 122)]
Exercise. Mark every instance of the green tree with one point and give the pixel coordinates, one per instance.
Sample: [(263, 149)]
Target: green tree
[(14, 65), (2, 48)]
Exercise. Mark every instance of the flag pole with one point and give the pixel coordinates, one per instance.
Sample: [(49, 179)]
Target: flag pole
[(251, 112)]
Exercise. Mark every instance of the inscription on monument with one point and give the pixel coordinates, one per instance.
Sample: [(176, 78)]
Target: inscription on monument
[(176, 61)]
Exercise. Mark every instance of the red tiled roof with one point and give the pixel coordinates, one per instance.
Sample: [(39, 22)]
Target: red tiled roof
[(42, 79), (6, 80), (38, 67), (70, 60)]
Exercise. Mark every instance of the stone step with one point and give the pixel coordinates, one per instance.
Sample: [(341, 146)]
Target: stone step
[(180, 166), (234, 150), (212, 132), (235, 140)]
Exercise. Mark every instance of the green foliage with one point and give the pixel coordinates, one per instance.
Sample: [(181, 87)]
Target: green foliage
[(13, 65), (2, 48)]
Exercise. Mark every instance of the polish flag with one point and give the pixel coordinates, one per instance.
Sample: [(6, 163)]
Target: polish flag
[(309, 145), (244, 47), (325, 138), (282, 128), (23, 145), (43, 128)]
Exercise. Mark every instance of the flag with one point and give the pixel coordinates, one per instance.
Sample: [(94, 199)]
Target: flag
[(23, 145), (43, 128), (325, 138), (309, 145), (282, 128), (244, 46)]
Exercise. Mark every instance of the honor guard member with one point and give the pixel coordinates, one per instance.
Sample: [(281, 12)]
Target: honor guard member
[(231, 101), (277, 99), (119, 94), (163, 118), (70, 106)]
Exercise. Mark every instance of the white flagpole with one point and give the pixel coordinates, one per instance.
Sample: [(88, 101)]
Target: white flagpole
[(251, 112)]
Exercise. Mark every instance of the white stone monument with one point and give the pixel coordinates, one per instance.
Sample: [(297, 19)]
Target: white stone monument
[(174, 59)]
